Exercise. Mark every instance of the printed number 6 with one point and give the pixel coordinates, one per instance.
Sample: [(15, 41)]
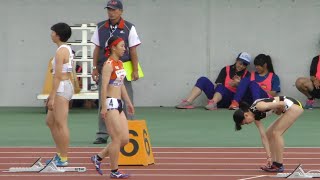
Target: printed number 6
[(146, 142), (134, 143)]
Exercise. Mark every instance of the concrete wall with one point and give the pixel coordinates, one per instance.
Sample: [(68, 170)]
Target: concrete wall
[(181, 41)]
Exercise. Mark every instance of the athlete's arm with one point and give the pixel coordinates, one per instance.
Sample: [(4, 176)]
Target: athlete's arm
[(60, 56), (265, 106), (96, 51), (106, 74), (272, 93), (134, 60), (264, 139), (126, 98), (133, 42), (95, 73)]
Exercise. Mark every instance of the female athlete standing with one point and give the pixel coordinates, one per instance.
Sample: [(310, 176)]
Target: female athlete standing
[(289, 110), (61, 93), (112, 90)]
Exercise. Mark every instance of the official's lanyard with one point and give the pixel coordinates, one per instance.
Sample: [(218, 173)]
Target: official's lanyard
[(112, 30)]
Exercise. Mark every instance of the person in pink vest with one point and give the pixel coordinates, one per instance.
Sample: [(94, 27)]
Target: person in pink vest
[(310, 87), (263, 83), (221, 93)]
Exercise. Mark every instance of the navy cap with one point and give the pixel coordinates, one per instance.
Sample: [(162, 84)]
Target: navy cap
[(114, 4)]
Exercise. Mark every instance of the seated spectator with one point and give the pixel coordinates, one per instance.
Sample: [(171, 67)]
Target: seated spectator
[(263, 83), (310, 87), (221, 93)]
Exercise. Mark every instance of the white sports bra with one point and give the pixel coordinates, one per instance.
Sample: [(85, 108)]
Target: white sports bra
[(67, 67)]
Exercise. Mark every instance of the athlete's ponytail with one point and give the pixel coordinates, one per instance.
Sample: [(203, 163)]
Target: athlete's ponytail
[(269, 64), (262, 59)]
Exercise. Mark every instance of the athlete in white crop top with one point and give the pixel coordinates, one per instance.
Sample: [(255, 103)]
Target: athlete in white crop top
[(61, 93), (67, 67)]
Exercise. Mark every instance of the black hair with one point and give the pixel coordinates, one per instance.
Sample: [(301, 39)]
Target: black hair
[(111, 40), (63, 30), (238, 115), (262, 59)]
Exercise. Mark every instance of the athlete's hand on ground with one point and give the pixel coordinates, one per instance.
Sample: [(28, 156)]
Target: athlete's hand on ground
[(269, 161), (268, 165), (103, 113), (135, 75), (95, 75), (50, 103)]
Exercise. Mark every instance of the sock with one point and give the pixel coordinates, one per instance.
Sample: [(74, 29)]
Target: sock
[(99, 158), (114, 170), (63, 159)]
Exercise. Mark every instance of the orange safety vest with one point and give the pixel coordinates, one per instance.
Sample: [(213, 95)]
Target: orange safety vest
[(318, 69), (266, 84), (228, 79)]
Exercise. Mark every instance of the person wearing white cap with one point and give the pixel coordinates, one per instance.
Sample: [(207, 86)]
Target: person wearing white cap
[(221, 93), (263, 83)]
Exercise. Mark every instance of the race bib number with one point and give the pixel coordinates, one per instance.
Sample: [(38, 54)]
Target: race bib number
[(121, 74), (112, 103)]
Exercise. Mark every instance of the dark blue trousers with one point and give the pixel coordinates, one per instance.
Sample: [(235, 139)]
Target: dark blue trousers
[(249, 91), (208, 88)]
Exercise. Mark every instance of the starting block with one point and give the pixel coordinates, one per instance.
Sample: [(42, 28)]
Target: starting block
[(49, 168), (299, 173)]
